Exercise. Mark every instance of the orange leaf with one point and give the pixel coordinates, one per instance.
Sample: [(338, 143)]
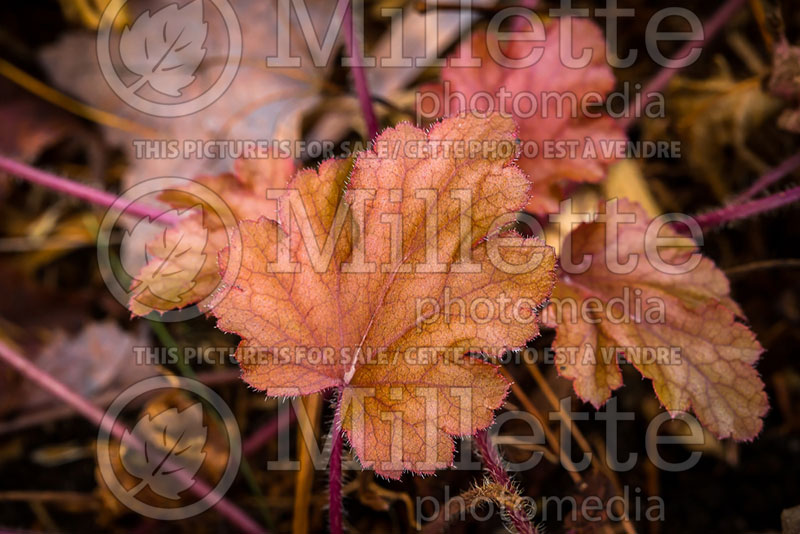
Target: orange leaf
[(182, 261), (391, 290), (679, 329)]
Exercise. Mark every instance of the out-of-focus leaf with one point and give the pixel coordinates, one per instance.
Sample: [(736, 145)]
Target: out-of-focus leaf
[(714, 119), (181, 264), (262, 103), (549, 83), (98, 359)]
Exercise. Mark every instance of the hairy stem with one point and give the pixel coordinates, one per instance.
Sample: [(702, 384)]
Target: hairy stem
[(358, 72), (335, 471), (198, 487), (769, 178), (748, 209), (494, 466), (660, 81), (69, 187)]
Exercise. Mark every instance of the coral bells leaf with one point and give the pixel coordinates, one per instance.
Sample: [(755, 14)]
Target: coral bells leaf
[(181, 266), (553, 89), (393, 282), (669, 314)]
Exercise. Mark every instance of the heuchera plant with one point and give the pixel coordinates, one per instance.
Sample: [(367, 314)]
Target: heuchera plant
[(351, 286), (359, 278), (378, 278)]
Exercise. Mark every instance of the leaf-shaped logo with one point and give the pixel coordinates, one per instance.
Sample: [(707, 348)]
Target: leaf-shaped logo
[(173, 257), (165, 48), (173, 442)]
